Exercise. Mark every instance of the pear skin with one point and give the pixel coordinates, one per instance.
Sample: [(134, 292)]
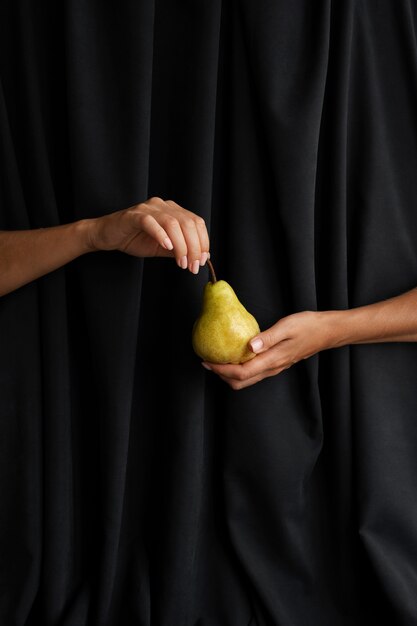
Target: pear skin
[(224, 327)]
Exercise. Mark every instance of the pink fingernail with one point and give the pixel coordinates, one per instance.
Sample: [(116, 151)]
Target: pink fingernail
[(195, 267), (257, 344), (184, 262), (203, 258), (206, 366), (168, 243)]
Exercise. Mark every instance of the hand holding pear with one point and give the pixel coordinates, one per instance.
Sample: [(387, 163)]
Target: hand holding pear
[(222, 331)]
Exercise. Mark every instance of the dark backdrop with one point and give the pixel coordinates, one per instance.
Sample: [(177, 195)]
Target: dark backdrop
[(136, 488)]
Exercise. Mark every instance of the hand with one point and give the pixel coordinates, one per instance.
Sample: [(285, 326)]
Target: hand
[(153, 228), (291, 339)]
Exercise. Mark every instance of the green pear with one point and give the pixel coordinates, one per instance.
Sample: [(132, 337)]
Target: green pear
[(224, 327)]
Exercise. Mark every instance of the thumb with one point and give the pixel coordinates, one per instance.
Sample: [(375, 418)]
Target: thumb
[(265, 340)]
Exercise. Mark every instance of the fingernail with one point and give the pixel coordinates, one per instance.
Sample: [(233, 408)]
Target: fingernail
[(195, 267), (206, 366), (184, 262), (203, 258), (256, 344), (208, 255), (168, 243)]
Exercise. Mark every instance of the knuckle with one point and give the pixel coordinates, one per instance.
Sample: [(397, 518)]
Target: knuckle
[(155, 200), (136, 217), (266, 338), (199, 220), (145, 218), (170, 221), (188, 223), (274, 372), (141, 209)]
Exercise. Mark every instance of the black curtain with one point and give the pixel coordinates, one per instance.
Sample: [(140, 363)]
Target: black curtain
[(137, 489)]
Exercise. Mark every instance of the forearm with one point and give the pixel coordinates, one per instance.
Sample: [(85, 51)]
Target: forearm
[(28, 254), (394, 319)]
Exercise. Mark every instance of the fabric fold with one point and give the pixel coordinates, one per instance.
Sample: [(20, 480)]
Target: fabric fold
[(137, 488)]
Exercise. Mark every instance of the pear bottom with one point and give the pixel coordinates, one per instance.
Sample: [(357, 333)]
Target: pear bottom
[(210, 358)]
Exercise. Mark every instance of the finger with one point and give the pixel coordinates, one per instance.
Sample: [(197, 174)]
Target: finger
[(192, 239), (245, 371), (150, 226), (204, 239), (200, 226), (189, 234), (168, 219), (154, 210), (237, 385), (268, 338), (175, 234)]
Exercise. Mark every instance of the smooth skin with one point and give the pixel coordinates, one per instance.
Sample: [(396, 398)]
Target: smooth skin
[(301, 335), (154, 228)]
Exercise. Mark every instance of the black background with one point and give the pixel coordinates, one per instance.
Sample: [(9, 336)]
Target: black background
[(137, 488)]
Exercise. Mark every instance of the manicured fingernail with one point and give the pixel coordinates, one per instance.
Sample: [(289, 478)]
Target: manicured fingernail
[(206, 366), (257, 344), (184, 262), (168, 243), (195, 267), (208, 255), (203, 258)]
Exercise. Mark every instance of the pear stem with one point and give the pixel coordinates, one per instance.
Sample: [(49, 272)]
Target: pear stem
[(212, 272)]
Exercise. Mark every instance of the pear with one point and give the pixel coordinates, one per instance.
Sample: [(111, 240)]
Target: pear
[(224, 327)]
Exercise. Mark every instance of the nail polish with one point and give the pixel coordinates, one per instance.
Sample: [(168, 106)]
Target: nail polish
[(257, 344), (168, 243)]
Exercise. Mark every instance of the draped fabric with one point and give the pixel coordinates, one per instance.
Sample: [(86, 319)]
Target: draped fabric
[(137, 489)]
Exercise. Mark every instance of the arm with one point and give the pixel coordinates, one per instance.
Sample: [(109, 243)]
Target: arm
[(28, 254), (303, 334), (152, 228), (394, 319)]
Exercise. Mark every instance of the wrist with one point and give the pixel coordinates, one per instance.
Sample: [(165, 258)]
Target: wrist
[(340, 330), (84, 233)]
